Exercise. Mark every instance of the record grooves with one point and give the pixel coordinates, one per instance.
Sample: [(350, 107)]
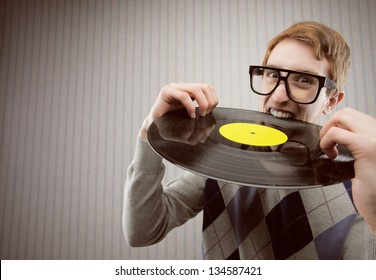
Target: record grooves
[(198, 145)]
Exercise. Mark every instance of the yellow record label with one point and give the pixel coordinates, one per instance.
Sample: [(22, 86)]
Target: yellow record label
[(253, 134)]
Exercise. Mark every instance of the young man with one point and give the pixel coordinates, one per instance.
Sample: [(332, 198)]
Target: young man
[(334, 222)]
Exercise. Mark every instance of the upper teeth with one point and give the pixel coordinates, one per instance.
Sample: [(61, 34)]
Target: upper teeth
[(279, 114)]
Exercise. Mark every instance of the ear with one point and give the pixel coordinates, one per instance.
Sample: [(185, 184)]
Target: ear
[(333, 100)]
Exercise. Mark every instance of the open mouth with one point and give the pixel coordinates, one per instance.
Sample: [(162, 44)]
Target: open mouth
[(281, 114)]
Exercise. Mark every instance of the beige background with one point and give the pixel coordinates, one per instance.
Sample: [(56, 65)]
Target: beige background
[(77, 79)]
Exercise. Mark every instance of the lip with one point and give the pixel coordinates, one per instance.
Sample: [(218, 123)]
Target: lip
[(280, 113)]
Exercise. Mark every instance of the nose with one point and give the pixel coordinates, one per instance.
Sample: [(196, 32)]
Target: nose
[(280, 96)]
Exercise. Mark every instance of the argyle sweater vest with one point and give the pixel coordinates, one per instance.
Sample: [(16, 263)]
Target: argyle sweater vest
[(253, 223)]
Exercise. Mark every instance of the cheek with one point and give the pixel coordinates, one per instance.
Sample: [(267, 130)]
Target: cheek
[(311, 113)]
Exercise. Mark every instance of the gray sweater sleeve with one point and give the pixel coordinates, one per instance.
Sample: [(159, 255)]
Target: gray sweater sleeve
[(151, 210), (371, 245)]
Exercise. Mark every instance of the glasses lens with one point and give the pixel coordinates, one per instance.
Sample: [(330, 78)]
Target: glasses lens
[(303, 87), (264, 81)]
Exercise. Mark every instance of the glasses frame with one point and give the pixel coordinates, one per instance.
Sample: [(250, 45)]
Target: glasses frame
[(323, 82)]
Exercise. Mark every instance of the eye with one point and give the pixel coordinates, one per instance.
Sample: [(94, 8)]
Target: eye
[(271, 74), (304, 79), (258, 71)]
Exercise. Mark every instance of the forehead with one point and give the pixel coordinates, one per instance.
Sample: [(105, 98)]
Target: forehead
[(295, 55)]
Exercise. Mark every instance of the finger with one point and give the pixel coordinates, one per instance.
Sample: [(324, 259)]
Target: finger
[(336, 135), (197, 93), (356, 113), (171, 99), (340, 119), (201, 93), (351, 120), (187, 102), (363, 123), (328, 143), (211, 96)]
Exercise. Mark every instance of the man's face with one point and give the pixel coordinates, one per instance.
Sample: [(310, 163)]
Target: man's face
[(294, 55)]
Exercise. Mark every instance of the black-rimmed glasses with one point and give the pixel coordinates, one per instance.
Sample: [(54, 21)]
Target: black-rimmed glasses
[(301, 87)]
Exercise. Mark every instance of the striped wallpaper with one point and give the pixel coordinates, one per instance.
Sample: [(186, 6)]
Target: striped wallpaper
[(77, 78)]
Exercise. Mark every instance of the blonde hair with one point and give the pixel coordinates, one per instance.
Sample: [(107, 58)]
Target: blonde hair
[(325, 42)]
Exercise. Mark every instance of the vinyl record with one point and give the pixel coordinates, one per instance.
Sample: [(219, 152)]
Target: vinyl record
[(249, 148)]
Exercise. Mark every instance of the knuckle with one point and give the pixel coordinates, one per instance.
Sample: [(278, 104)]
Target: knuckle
[(208, 87), (165, 88)]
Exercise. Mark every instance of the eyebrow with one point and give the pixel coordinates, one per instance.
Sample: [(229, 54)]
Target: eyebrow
[(297, 70)]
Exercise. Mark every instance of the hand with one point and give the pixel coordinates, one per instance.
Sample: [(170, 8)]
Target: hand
[(184, 95), (357, 131)]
